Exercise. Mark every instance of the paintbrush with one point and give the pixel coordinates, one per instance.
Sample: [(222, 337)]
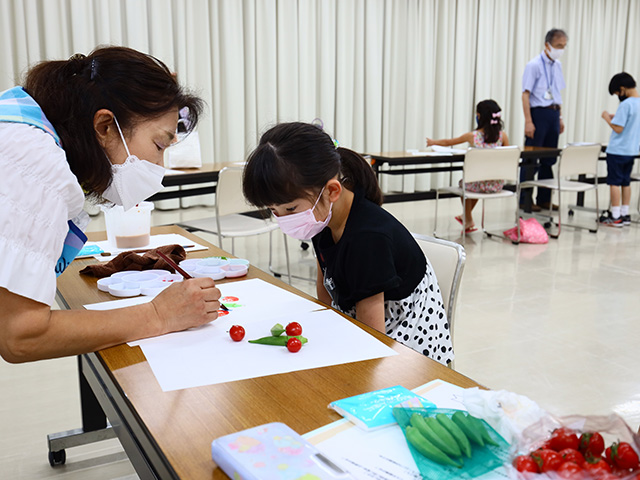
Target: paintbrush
[(182, 272)]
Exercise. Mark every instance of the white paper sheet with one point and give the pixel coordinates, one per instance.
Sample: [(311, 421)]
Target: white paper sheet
[(213, 357), (156, 241), (418, 153), (439, 149), (123, 302), (384, 454), (170, 171)]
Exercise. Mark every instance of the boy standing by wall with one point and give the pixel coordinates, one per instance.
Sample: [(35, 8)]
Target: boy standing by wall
[(624, 145)]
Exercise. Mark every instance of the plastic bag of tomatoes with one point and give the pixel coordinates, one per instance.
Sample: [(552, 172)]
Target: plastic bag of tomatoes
[(576, 448)]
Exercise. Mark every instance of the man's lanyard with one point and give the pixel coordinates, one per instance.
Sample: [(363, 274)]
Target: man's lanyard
[(544, 66)]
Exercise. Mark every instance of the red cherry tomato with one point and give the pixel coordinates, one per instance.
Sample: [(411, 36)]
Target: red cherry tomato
[(294, 329), (294, 345), (237, 333), (569, 470), (571, 455), (596, 464), (547, 460), (624, 455), (524, 463), (591, 443), (562, 438)]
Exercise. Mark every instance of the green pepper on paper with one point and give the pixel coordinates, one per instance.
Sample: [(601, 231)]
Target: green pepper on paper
[(277, 330)]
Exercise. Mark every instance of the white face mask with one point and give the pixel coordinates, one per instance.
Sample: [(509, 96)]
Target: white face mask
[(134, 180), (303, 225), (555, 53)]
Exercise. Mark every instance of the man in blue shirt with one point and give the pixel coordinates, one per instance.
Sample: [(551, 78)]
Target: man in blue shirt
[(542, 82), (623, 147)]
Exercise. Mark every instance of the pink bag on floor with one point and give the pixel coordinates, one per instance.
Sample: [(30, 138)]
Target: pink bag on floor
[(530, 232)]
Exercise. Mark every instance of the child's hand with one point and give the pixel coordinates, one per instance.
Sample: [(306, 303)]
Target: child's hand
[(607, 116), (430, 142)]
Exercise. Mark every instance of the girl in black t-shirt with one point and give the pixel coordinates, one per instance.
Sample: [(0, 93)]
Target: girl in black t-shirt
[(369, 265)]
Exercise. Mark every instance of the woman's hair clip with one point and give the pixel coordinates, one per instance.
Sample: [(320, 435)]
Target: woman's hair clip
[(94, 69), (336, 143), (496, 114)]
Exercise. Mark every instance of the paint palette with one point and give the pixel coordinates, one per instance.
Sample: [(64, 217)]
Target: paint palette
[(216, 268), (131, 284)]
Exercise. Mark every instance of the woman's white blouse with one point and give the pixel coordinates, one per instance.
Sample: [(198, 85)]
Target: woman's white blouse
[(38, 195)]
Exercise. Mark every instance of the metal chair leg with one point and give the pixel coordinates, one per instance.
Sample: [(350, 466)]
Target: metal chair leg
[(435, 223), (559, 211), (464, 215)]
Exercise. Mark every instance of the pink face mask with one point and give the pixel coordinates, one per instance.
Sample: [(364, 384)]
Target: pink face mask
[(303, 225)]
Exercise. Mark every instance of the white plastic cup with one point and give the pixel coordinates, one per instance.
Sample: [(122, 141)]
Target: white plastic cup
[(130, 229)]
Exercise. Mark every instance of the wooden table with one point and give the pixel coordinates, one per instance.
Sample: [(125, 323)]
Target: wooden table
[(169, 434), (433, 164)]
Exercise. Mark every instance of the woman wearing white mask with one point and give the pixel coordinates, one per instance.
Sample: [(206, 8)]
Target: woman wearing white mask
[(369, 265), (97, 126)]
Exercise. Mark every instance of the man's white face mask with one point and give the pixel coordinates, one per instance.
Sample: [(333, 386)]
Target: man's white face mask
[(555, 53), (134, 180)]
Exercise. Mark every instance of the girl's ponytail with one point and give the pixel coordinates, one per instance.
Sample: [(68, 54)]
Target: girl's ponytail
[(357, 173), (490, 120)]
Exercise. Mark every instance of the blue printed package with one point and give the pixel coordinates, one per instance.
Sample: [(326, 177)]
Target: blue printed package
[(374, 410), (273, 452), (90, 250)]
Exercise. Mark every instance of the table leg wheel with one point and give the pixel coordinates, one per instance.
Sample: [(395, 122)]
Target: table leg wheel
[(57, 458), (571, 212), (304, 245), (547, 224)]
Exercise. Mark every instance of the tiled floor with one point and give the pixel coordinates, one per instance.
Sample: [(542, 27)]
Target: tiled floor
[(558, 323)]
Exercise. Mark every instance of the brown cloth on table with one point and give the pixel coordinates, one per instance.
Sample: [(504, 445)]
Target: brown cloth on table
[(135, 262)]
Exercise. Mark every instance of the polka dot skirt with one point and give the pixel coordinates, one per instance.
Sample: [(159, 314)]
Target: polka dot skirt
[(419, 321)]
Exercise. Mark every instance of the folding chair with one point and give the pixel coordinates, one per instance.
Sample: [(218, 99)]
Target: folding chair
[(231, 219), (447, 259), (574, 160), (499, 163), (636, 177)]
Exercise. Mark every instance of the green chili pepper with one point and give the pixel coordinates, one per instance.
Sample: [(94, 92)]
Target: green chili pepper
[(277, 330), (280, 341)]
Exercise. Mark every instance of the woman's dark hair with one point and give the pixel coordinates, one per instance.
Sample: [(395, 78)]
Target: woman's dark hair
[(133, 85), (295, 160), (621, 80), (489, 120)]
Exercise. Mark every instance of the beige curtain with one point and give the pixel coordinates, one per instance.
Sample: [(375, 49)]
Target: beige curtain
[(382, 74)]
